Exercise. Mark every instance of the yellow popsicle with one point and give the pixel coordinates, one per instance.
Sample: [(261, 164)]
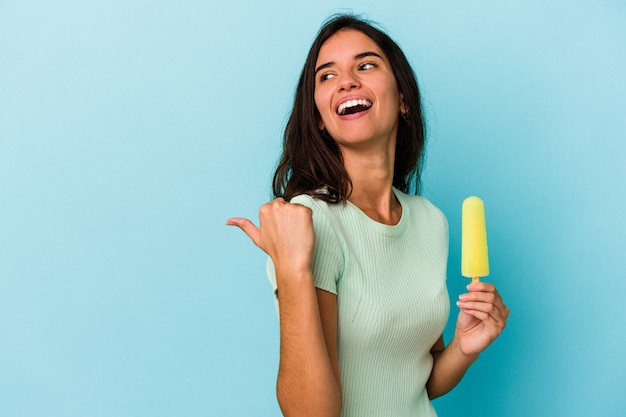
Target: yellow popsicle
[(474, 257)]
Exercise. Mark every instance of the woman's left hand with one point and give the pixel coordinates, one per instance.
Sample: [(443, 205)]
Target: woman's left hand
[(482, 318)]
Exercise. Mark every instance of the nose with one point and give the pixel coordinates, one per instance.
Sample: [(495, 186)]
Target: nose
[(348, 81)]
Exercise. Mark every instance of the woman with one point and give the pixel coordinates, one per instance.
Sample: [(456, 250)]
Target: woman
[(358, 265)]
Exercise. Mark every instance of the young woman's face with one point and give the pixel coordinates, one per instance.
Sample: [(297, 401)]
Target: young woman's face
[(355, 90)]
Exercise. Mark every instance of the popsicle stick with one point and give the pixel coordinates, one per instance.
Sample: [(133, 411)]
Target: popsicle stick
[(475, 280)]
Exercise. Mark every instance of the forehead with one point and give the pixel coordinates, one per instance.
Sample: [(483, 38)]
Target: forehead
[(346, 44)]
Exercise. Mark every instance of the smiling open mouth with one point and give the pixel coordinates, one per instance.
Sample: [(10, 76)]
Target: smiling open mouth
[(353, 106)]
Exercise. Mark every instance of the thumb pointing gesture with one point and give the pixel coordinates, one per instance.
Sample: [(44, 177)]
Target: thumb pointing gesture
[(285, 232), (249, 228)]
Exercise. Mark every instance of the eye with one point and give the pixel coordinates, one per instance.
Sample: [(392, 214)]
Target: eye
[(367, 66), (326, 76)]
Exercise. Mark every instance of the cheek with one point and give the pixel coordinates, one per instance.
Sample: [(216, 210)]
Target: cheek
[(322, 103), (395, 102), (394, 94), (319, 107), (316, 97), (390, 86)]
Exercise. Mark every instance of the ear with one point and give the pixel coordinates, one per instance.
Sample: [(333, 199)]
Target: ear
[(321, 126), (403, 107)]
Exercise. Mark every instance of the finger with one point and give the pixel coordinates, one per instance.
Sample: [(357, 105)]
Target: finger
[(487, 293), (486, 308), (492, 326), (483, 317), (482, 287), (498, 312), (489, 316), (481, 297), (249, 228)]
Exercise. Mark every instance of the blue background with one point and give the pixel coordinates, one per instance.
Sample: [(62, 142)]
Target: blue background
[(131, 130)]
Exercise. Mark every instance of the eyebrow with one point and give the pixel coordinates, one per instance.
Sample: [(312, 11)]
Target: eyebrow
[(356, 57)]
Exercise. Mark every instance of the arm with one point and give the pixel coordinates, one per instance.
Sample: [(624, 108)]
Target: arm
[(449, 366), (328, 314), (308, 377), (482, 318)]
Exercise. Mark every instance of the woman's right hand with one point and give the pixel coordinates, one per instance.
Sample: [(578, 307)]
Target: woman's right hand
[(285, 233)]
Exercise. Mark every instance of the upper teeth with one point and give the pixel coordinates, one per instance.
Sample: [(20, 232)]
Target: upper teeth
[(352, 103)]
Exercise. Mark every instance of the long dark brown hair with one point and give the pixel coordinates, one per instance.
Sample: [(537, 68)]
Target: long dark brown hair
[(311, 162)]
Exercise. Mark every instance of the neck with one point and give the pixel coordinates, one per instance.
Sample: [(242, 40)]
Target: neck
[(381, 206), (372, 178)]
